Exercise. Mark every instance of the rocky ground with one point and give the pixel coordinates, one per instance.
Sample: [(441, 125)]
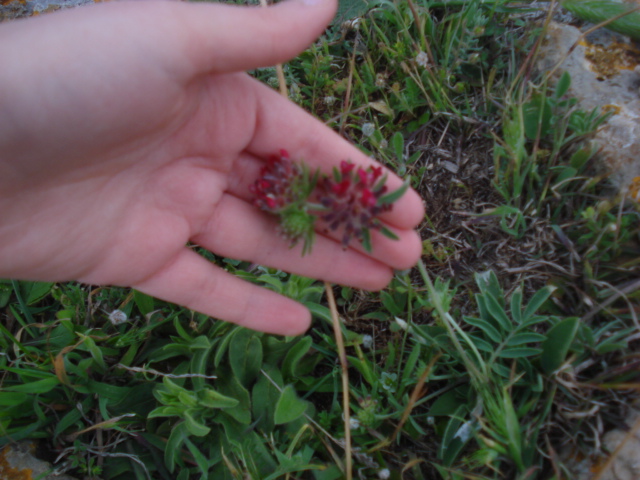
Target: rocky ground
[(605, 73)]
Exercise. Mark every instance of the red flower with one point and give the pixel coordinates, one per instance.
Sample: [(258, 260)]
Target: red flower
[(351, 201), (274, 189), (283, 189), (364, 177), (342, 187), (368, 199), (346, 167)]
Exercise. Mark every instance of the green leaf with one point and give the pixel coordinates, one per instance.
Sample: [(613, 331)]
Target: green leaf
[(447, 403), (397, 143), (224, 344), (39, 386), (532, 321), (579, 158), (523, 338), (183, 475), (194, 426), (319, 311), (72, 417), (273, 282), (516, 305), (181, 331), (331, 472), (363, 367), (169, 388), (90, 344), (562, 87), (452, 444), (366, 240), (144, 302), (537, 115), (486, 327), (289, 406), (597, 11), (519, 352), (211, 399), (113, 392), (201, 342), (497, 312), (245, 356), (12, 399), (229, 385), (556, 347), (199, 365), (174, 446), (504, 372), (566, 173), (265, 464), (536, 302), (488, 281), (188, 399), (263, 397), (389, 303), (198, 456), (388, 233), (432, 335), (33, 292), (482, 344), (512, 427), (395, 195), (166, 411), (350, 9), (293, 357), (410, 364)]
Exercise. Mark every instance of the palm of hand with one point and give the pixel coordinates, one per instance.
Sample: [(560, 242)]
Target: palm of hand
[(149, 152)]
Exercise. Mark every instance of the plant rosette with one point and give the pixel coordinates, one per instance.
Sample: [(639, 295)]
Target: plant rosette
[(349, 200)]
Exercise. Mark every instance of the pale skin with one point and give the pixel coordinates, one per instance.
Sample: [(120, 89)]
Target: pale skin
[(128, 130)]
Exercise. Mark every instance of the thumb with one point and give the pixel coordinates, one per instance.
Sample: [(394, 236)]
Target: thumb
[(232, 38)]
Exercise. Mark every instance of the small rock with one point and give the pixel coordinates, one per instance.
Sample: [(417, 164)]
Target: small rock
[(605, 77), (17, 462), (623, 447)]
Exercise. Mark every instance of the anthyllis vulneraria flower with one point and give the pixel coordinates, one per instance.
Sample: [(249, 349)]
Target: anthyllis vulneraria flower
[(349, 200), (353, 198), (284, 188)]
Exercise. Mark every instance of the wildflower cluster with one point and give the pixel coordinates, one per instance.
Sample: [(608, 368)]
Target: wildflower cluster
[(284, 188), (348, 201), (352, 200)]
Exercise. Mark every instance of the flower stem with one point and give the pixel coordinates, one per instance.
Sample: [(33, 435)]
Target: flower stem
[(342, 354), (282, 83)]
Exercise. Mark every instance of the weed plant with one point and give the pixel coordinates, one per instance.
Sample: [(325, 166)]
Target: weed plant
[(483, 363)]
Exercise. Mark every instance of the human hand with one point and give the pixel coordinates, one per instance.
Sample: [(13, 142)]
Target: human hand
[(128, 130)]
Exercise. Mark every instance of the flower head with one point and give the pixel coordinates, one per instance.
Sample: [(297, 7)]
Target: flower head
[(349, 200), (275, 189), (389, 381), (352, 199), (422, 59), (283, 189), (116, 317), (384, 474)]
